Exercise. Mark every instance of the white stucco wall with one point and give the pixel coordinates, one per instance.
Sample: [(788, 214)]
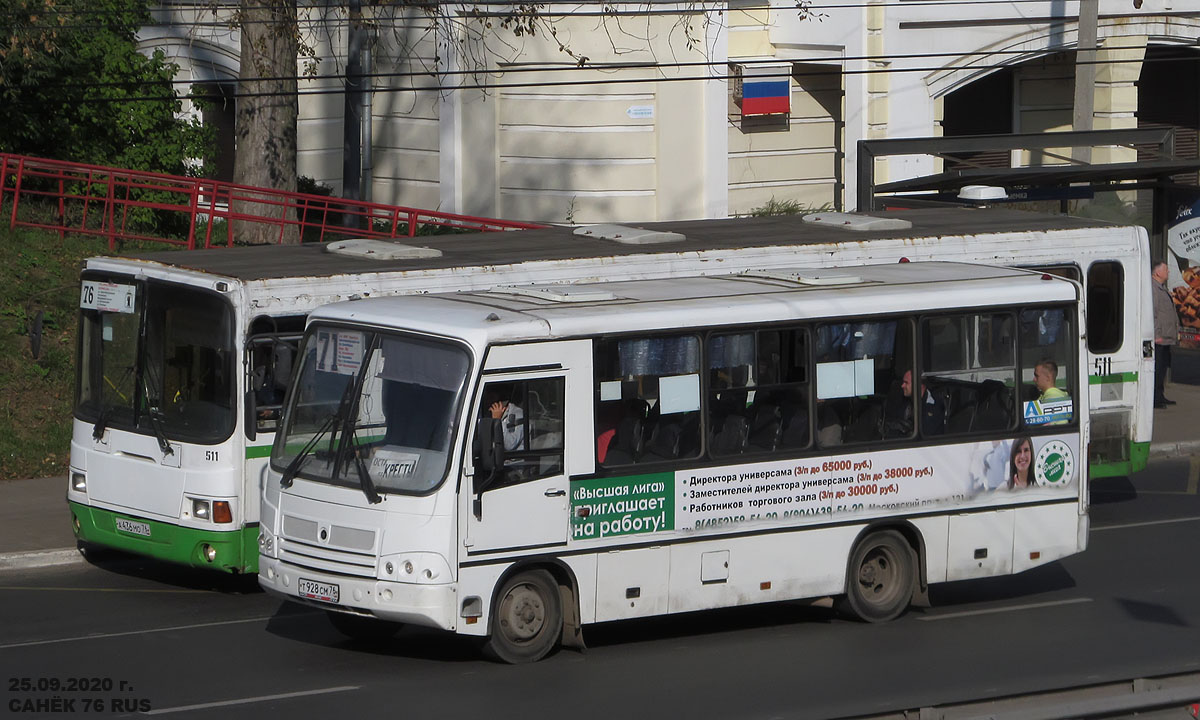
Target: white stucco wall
[(643, 144)]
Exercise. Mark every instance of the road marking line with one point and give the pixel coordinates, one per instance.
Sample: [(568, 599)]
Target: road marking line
[(1194, 475), (246, 701), (101, 636), (1148, 523), (1010, 608), (103, 589)]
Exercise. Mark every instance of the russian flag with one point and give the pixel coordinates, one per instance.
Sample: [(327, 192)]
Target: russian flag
[(766, 96)]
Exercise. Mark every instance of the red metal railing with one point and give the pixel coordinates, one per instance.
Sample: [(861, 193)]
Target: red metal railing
[(134, 205)]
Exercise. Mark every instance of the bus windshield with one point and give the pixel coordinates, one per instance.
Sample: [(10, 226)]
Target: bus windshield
[(159, 361), (372, 410)]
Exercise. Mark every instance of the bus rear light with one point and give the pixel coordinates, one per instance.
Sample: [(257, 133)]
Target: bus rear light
[(78, 482), (221, 512)]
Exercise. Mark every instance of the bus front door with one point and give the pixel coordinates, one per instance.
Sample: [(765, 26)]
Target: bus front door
[(521, 502)]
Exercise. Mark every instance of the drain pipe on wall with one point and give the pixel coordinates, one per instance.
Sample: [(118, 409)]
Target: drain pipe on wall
[(368, 120)]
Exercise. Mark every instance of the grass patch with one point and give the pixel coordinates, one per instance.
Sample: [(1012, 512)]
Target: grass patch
[(39, 273)]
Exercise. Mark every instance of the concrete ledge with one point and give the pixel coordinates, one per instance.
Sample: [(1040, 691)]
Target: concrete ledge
[(40, 558), (1183, 448)]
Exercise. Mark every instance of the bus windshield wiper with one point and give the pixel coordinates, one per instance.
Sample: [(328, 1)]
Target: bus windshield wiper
[(293, 468), (101, 422), (155, 412), (329, 423), (347, 444)]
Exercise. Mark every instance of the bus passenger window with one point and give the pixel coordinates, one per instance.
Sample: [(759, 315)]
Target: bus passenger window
[(858, 365), (758, 392), (1047, 367), (969, 374), (647, 399)]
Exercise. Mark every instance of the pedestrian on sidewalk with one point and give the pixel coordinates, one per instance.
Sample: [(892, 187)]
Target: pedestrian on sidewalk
[(1166, 331)]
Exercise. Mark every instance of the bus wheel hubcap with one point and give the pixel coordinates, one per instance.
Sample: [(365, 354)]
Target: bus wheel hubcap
[(875, 573), (524, 613)]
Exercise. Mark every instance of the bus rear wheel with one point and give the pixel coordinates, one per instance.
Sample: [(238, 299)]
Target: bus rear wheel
[(881, 580), (359, 627), (527, 618)]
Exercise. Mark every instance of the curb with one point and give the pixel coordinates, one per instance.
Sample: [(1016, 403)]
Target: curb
[(1161, 451), (40, 559)]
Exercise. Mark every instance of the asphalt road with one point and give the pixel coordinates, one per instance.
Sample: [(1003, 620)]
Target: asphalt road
[(141, 637)]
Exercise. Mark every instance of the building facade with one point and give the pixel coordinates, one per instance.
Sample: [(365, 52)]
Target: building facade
[(664, 111)]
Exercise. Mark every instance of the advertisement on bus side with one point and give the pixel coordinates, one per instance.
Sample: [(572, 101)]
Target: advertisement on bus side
[(822, 489)]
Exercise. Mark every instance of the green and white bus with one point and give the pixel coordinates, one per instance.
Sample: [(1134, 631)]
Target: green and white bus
[(520, 462), (184, 356)]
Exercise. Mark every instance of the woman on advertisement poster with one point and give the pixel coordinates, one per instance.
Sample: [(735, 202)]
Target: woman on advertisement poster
[(1020, 461)]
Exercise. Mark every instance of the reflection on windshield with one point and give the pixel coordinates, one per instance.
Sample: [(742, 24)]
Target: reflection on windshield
[(373, 411), (165, 369)]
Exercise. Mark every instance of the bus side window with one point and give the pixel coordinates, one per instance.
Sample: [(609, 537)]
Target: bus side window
[(271, 363), (1047, 367), (647, 399), (532, 418), (969, 373), (1105, 307), (858, 364)]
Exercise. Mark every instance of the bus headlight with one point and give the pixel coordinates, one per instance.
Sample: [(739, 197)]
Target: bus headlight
[(78, 482), (415, 567), (266, 542), (200, 509)]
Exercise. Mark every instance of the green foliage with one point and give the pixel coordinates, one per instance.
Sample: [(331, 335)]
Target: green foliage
[(39, 272), (786, 207), (70, 82)]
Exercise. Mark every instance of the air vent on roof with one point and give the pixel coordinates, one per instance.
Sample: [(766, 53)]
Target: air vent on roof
[(808, 277), (860, 223), (630, 235), (557, 293), (380, 249)]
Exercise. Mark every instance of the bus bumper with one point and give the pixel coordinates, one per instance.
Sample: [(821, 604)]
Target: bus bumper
[(425, 605), (232, 551)]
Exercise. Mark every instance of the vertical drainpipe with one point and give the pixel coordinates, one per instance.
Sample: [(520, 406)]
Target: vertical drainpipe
[(368, 161), (351, 114)]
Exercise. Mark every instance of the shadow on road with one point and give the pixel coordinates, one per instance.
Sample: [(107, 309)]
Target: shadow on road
[(171, 574), (1029, 584), (1112, 490)]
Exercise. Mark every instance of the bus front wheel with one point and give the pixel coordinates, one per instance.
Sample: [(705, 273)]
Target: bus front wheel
[(881, 579), (527, 618)]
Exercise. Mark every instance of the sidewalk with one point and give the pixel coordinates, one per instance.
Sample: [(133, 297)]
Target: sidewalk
[(35, 526)]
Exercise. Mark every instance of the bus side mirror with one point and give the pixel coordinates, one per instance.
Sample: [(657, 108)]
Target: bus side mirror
[(488, 452)]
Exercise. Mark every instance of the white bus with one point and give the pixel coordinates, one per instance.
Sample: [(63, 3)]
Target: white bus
[(520, 462), (184, 355)]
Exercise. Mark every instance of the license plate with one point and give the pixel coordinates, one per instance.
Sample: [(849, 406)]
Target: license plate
[(325, 592), (133, 526)]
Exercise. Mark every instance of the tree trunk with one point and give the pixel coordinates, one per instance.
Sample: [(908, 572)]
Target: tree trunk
[(266, 115)]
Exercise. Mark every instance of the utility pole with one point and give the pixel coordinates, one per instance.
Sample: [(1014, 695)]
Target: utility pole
[(1085, 74), (352, 113)]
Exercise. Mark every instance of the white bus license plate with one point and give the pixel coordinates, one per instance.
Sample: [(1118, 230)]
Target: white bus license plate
[(132, 526), (325, 592)]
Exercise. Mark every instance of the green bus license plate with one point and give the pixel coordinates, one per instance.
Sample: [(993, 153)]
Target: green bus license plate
[(325, 592), (132, 526)]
